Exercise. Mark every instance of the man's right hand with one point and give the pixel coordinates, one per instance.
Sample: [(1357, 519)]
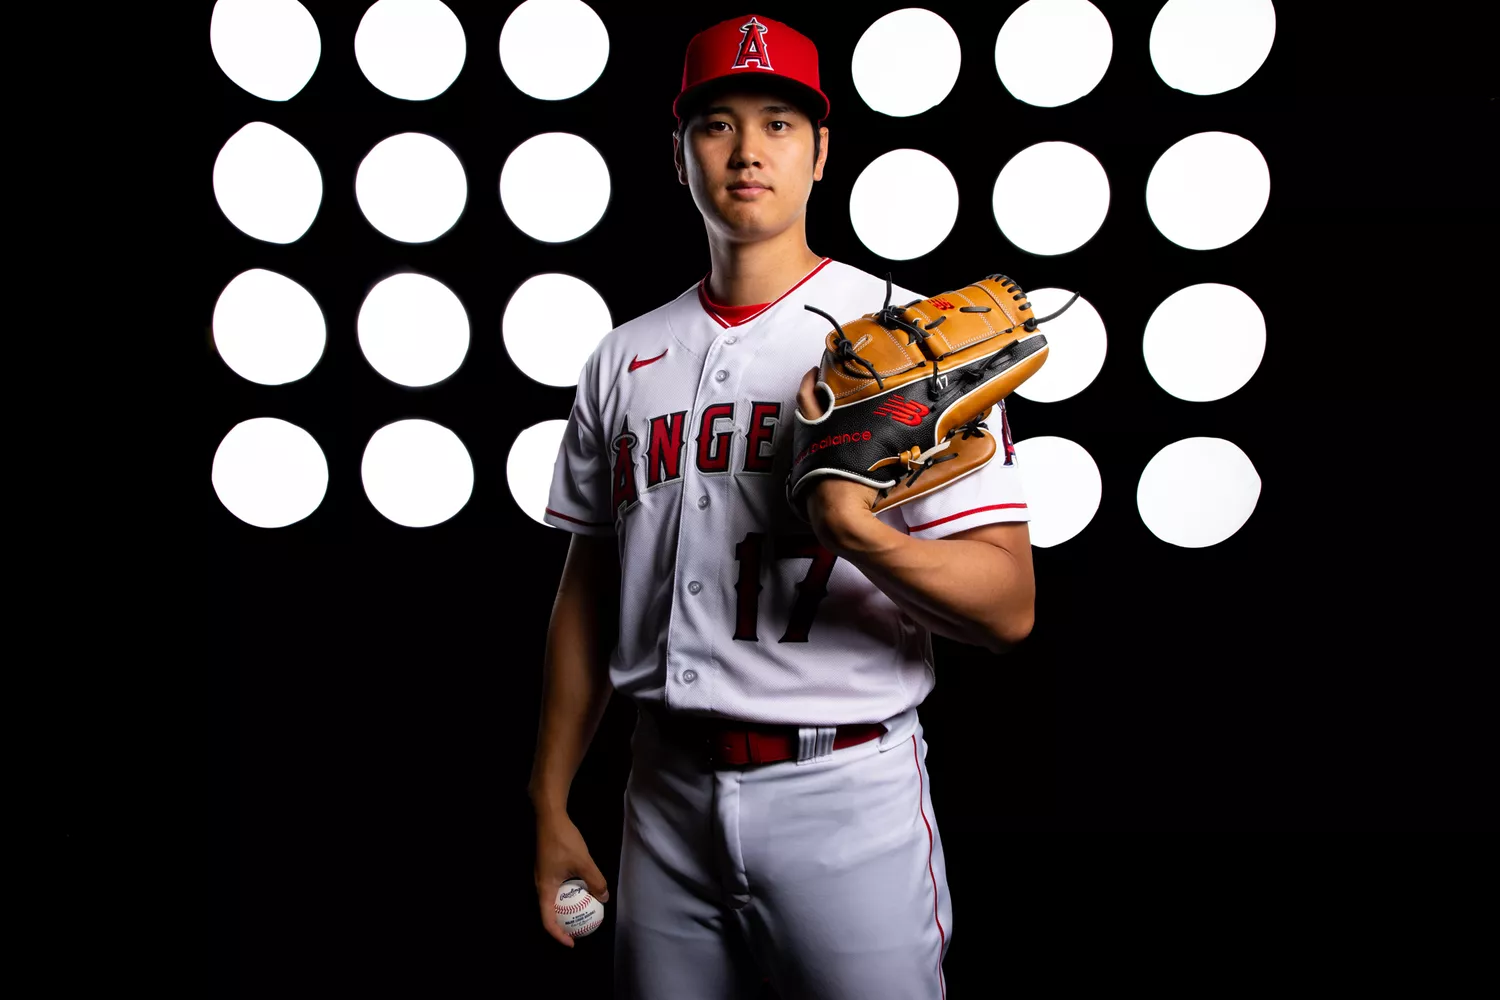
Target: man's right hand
[(560, 855)]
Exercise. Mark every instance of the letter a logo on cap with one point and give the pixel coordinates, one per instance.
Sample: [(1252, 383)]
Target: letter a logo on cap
[(752, 46)]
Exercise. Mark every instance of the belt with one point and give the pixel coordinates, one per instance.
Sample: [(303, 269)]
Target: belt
[(729, 743)]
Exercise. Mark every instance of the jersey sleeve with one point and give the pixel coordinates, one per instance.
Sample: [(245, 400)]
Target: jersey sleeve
[(900, 295), (992, 494), (579, 499)]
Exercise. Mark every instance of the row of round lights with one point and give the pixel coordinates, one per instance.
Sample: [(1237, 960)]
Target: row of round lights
[(417, 473), (1201, 343), (1047, 52), (1204, 192)]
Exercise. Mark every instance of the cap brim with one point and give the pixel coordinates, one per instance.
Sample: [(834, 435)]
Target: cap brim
[(811, 101)]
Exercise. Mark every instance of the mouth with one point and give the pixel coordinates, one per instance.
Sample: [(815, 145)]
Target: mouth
[(748, 187)]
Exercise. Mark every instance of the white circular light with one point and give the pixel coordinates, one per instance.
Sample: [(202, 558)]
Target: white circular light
[(267, 184), (553, 49), (555, 187), (413, 329), (547, 345), (1208, 190), (269, 473), (268, 47), (1051, 198), (1197, 492), (1204, 341), (1052, 52), (417, 473), (528, 469), (903, 204), (411, 187), (1210, 46), (1062, 486), (267, 328), (1076, 345), (411, 49), (906, 62)]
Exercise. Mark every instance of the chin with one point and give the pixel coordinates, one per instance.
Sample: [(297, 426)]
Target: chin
[(748, 228), (748, 234)]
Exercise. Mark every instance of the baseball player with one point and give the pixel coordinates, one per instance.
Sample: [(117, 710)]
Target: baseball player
[(778, 817)]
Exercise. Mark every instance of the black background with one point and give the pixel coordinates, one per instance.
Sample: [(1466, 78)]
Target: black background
[(320, 735)]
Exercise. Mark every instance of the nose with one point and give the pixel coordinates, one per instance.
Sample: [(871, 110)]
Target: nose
[(746, 152)]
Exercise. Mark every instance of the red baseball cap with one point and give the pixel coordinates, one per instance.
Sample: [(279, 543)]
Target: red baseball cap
[(752, 48)]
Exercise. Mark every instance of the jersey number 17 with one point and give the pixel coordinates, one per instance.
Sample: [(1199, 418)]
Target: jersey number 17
[(811, 589)]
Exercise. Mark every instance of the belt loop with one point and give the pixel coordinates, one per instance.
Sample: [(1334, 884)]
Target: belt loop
[(814, 742)]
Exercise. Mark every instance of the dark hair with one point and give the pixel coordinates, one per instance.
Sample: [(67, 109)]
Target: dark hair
[(690, 110)]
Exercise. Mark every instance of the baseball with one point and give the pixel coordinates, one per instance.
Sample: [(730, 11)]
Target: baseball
[(579, 913)]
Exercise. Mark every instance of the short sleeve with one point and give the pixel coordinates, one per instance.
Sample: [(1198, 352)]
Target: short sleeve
[(992, 494), (579, 500)]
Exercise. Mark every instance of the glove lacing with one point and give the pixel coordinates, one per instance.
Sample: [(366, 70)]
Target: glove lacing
[(894, 318), (973, 428), (844, 348), (917, 468)]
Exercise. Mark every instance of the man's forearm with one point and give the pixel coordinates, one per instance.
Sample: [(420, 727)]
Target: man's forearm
[(967, 590), (575, 693)]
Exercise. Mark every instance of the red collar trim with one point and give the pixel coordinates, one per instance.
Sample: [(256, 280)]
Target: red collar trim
[(731, 315), (728, 316)]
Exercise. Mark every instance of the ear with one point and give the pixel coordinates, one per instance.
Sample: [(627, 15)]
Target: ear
[(677, 159), (822, 154)]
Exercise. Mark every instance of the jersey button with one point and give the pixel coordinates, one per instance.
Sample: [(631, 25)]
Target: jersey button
[(702, 502), (688, 676), (694, 587), (720, 375), (730, 339)]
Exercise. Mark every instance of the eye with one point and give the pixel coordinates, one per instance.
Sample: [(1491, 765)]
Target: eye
[(713, 126), (786, 125)]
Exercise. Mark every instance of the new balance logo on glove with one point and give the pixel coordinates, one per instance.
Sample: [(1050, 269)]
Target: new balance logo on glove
[(902, 410)]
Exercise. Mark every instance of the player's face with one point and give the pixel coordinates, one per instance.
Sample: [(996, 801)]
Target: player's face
[(748, 160)]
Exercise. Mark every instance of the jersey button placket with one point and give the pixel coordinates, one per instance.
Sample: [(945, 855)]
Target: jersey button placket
[(696, 491)]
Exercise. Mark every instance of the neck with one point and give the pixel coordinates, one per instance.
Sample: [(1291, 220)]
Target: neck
[(746, 274)]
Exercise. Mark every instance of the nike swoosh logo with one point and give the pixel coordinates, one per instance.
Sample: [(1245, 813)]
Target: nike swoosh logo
[(636, 361)]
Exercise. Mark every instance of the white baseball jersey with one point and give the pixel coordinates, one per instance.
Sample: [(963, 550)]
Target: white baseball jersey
[(678, 444)]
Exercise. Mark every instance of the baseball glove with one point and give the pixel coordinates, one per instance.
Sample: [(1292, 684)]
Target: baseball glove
[(907, 389)]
